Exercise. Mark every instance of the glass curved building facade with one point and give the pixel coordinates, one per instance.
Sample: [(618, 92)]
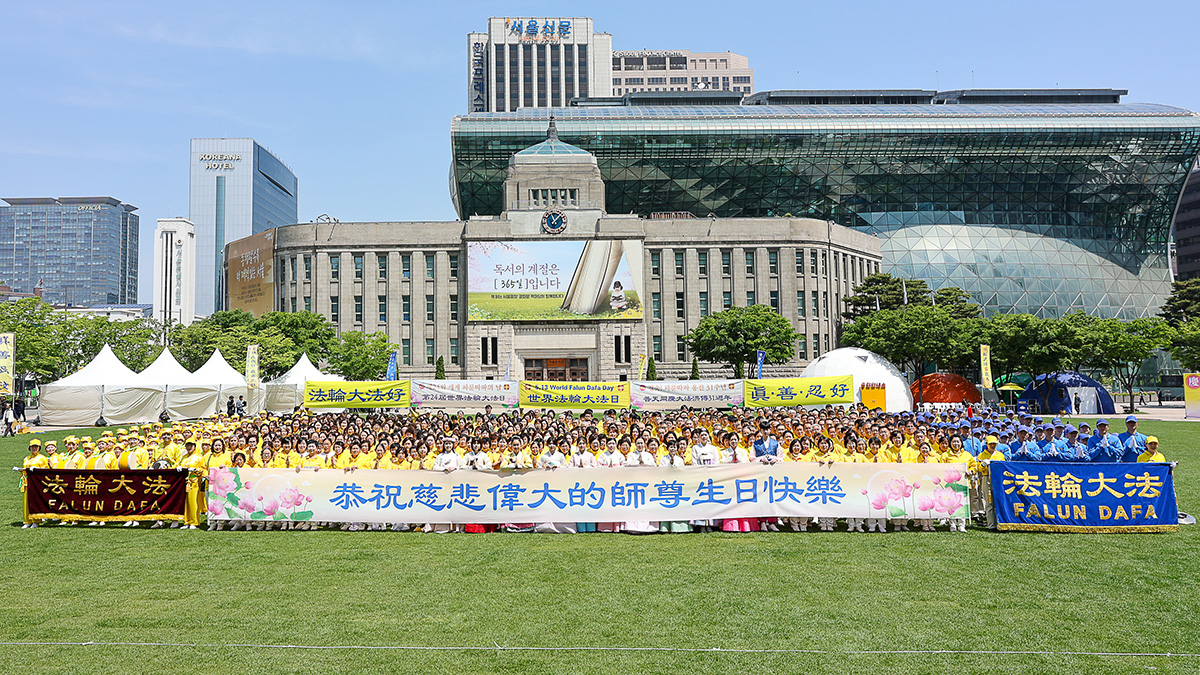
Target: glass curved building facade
[(1041, 208)]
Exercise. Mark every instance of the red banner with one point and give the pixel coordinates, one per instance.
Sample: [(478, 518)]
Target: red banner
[(106, 495)]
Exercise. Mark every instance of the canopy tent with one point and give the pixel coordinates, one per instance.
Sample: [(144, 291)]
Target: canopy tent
[(1063, 388), (208, 389), (945, 388), (1020, 379), (286, 392), (166, 370), (866, 367), (104, 387)]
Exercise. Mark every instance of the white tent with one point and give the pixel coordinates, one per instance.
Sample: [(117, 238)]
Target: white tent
[(166, 370), (206, 390), (286, 392), (105, 386), (865, 366)]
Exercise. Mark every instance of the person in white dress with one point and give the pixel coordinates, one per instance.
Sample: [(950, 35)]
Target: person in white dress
[(554, 458), (447, 460), (640, 455), (611, 457), (704, 453), (674, 459)]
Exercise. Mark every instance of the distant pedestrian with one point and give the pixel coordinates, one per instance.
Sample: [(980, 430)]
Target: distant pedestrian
[(9, 419), (230, 407), (19, 409), (241, 406)]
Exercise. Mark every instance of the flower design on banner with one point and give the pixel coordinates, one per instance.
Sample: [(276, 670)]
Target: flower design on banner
[(947, 501), (221, 482)]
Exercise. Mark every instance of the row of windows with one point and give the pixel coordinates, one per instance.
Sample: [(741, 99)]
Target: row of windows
[(335, 314), (804, 309), (430, 352), (845, 266), (381, 266)]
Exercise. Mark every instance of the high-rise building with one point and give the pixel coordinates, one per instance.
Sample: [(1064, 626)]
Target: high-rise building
[(680, 70), (79, 251), (238, 188), (174, 271), (536, 62), (1187, 230)]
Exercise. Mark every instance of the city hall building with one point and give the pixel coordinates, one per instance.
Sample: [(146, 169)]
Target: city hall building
[(555, 286)]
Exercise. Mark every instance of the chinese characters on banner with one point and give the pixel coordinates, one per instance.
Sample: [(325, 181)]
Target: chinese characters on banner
[(574, 394), (252, 379), (7, 359), (747, 490), (664, 395), (799, 391), (106, 495), (1191, 396), (985, 366), (1080, 497), (374, 394), (464, 394)]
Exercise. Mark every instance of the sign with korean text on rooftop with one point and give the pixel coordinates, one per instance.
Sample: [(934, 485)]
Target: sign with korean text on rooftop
[(538, 30)]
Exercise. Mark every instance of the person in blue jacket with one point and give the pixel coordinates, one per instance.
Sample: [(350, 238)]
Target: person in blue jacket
[(1025, 449), (1133, 441), (1103, 446), (1055, 449), (1076, 447)]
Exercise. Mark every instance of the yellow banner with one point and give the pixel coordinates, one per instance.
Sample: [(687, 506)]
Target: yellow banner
[(1191, 395), (985, 366), (382, 394), (252, 379), (574, 394), (799, 391), (7, 358)]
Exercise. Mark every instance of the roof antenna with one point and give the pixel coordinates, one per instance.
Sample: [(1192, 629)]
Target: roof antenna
[(552, 131)]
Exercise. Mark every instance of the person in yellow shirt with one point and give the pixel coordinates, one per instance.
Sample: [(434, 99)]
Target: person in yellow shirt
[(35, 460), (197, 497), (219, 456), (1151, 453), (56, 459)]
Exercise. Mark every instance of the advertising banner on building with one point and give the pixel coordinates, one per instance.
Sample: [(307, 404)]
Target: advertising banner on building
[(660, 395), (747, 490), (69, 494), (251, 273), (1191, 395), (558, 280), (465, 394), (372, 394), (252, 378), (837, 389), (577, 395), (8, 356), (1078, 497)]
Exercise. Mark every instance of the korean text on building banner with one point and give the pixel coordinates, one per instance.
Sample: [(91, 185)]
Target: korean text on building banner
[(1076, 497), (373, 394), (252, 379), (7, 358), (745, 490), (799, 391), (574, 394), (1191, 395), (69, 494), (662, 395), (465, 394), (985, 366)]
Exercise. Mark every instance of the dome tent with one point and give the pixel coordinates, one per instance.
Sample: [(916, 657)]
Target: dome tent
[(865, 366), (945, 388), (1094, 399)]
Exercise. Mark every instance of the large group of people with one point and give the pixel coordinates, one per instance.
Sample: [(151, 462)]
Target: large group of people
[(526, 439)]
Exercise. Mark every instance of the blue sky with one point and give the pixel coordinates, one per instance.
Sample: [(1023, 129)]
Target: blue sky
[(101, 98)]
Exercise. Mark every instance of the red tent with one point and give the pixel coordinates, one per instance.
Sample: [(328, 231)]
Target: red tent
[(945, 388)]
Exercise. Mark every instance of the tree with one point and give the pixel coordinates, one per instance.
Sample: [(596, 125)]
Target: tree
[(651, 370), (311, 333), (359, 356), (958, 302), (1007, 334), (35, 325), (695, 369), (439, 372), (1185, 346), (910, 337), (1048, 349), (1183, 303), (890, 292), (734, 336), (1122, 346)]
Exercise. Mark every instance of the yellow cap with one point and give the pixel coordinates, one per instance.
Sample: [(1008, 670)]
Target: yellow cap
[(1151, 439), (35, 443), (993, 439)]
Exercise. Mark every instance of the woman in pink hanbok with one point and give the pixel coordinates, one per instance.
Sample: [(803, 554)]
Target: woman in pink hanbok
[(611, 457), (734, 453)]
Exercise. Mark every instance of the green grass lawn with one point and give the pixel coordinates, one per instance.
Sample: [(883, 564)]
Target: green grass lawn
[(837, 592)]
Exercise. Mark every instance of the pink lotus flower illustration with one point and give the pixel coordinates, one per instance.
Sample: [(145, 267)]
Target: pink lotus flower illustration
[(916, 485), (898, 489), (216, 508), (947, 501), (879, 501), (290, 498), (246, 504), (221, 481), (270, 507), (864, 492), (953, 475), (925, 503)]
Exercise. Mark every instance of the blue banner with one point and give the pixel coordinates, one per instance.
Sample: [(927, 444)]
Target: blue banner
[(1073, 497), (391, 370)]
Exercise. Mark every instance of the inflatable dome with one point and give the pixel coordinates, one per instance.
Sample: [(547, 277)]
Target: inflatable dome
[(865, 366), (945, 388), (1094, 399)]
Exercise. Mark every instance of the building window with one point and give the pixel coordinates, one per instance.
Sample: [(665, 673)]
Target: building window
[(824, 264), (775, 300), (816, 345), (429, 351), (680, 348), (429, 266), (623, 348), (454, 308), (453, 265), (406, 266), (702, 263), (679, 263), (726, 263), (812, 263), (383, 309), (655, 263), (406, 308), (294, 277), (657, 350), (703, 303), (406, 351), (802, 348), (816, 313), (335, 267), (358, 267), (307, 268), (827, 343), (381, 261), (334, 313), (656, 305), (679, 305), (293, 305), (358, 309), (799, 261), (750, 263), (454, 351), (429, 308), (751, 300), (773, 262), (488, 347), (800, 304), (825, 304), (726, 300), (307, 303)]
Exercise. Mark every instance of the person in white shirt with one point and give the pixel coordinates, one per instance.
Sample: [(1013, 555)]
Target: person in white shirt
[(674, 459), (639, 456), (704, 453), (447, 461), (611, 457)]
